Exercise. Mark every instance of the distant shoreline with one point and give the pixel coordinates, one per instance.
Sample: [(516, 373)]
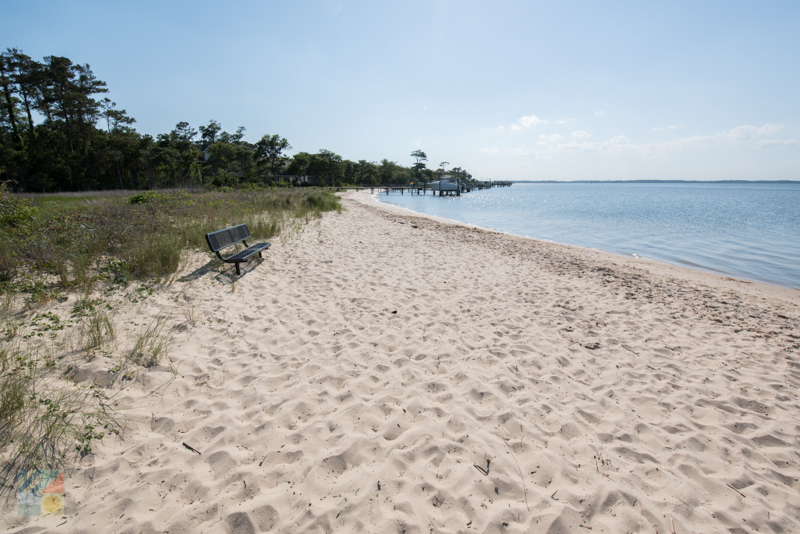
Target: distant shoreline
[(656, 181)]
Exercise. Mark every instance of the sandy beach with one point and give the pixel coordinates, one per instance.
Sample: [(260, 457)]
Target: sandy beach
[(381, 371)]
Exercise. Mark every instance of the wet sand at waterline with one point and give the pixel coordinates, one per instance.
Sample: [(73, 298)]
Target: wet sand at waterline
[(380, 371)]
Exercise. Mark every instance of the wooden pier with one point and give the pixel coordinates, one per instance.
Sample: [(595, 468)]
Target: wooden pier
[(422, 189)]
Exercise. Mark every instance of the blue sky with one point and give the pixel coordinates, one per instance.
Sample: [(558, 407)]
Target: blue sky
[(568, 90)]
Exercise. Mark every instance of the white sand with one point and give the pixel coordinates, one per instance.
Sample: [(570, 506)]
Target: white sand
[(354, 379)]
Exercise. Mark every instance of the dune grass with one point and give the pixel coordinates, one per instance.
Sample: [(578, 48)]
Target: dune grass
[(45, 419), (145, 233), (57, 247)]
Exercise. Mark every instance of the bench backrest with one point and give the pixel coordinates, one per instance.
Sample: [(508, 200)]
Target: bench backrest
[(227, 237)]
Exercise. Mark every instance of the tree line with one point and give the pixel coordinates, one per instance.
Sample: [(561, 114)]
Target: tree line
[(58, 132)]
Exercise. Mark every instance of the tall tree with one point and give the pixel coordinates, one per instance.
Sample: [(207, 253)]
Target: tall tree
[(182, 138), (298, 166), (269, 151), (421, 158), (26, 75), (10, 101), (209, 133), (117, 120), (331, 166)]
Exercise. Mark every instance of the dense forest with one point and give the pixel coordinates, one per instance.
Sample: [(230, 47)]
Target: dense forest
[(58, 132)]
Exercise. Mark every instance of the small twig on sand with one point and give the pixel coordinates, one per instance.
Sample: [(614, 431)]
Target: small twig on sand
[(483, 471), (737, 491), (191, 448)]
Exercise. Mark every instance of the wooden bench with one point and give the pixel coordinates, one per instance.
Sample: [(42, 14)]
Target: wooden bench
[(231, 236)]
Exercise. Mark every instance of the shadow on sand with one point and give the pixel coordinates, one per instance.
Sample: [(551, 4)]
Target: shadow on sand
[(228, 273)]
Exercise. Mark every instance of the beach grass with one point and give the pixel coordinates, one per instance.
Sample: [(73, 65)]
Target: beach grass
[(66, 235), (77, 248)]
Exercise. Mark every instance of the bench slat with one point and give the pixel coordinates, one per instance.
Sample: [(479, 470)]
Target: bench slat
[(246, 253), (227, 237)]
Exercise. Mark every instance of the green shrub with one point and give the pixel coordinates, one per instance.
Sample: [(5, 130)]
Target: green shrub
[(142, 198), (322, 201), (14, 211), (8, 264)]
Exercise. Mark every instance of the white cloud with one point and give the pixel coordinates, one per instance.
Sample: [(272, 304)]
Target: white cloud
[(580, 134), (565, 120), (672, 127), (657, 128), (777, 143), (748, 133), (600, 113), (489, 150), (500, 128), (530, 120), (527, 122)]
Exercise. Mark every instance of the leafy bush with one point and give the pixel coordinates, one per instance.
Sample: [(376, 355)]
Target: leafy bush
[(142, 198), (8, 265), (14, 210)]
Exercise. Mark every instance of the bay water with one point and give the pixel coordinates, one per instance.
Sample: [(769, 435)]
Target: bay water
[(748, 230)]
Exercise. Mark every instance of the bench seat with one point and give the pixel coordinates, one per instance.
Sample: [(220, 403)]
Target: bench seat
[(231, 236)]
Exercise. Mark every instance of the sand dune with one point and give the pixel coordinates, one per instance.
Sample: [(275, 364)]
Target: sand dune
[(383, 372)]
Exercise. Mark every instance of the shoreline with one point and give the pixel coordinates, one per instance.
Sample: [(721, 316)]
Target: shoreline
[(784, 279), (359, 377), (687, 273)]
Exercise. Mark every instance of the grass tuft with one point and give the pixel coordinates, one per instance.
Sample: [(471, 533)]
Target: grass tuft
[(151, 345), (97, 330), (43, 418), (157, 256)]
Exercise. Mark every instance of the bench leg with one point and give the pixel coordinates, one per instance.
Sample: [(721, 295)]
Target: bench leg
[(259, 254), (237, 269)]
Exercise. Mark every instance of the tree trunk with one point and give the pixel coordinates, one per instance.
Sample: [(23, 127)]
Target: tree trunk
[(119, 175), (11, 115), (28, 112), (86, 154)]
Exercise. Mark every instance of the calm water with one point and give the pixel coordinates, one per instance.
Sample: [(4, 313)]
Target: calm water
[(747, 230)]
